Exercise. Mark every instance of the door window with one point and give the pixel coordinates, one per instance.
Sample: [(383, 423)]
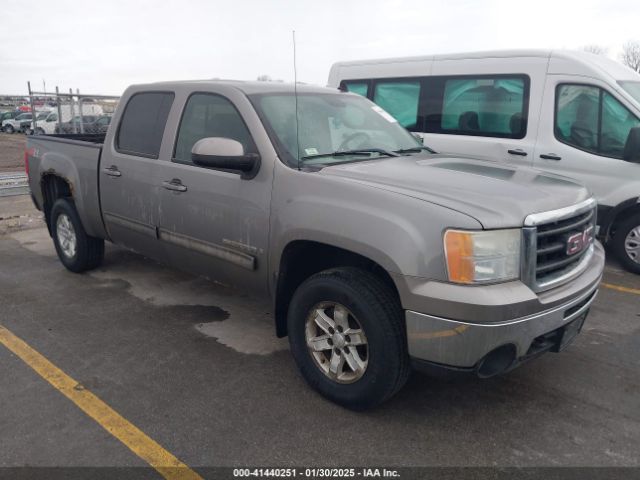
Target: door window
[(489, 107), (400, 99), (591, 119), (209, 115), (142, 125)]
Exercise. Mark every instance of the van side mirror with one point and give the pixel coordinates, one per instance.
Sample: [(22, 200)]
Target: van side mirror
[(224, 153), (632, 147)]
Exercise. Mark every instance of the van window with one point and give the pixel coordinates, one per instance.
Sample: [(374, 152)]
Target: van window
[(209, 115), (400, 98), (142, 125), (361, 88), (591, 119), (490, 107)]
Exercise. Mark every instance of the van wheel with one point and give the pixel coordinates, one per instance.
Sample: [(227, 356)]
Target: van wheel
[(76, 250), (348, 338), (626, 243), (9, 129)]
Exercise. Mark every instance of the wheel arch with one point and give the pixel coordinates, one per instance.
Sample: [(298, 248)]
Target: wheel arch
[(618, 214), (302, 258), (53, 187)]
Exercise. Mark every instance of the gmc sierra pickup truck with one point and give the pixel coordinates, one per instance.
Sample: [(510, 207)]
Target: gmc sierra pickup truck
[(378, 254)]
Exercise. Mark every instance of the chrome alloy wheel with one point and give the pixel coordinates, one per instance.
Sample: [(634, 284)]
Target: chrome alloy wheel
[(337, 342), (632, 244), (66, 236)]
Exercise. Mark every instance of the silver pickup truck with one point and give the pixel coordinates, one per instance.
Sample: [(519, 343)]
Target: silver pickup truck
[(377, 253)]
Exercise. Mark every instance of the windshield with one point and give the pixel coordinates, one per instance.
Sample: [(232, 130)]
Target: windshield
[(632, 88), (42, 116), (330, 123)]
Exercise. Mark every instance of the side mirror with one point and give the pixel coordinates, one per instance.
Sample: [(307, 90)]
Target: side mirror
[(224, 153), (632, 147), (418, 137)]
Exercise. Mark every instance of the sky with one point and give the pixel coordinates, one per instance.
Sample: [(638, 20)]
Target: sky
[(102, 47)]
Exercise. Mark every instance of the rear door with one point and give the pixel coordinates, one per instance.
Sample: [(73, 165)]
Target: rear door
[(129, 170), (213, 222)]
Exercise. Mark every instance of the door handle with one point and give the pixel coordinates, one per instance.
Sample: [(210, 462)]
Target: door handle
[(550, 156), (112, 171), (518, 151), (174, 185)]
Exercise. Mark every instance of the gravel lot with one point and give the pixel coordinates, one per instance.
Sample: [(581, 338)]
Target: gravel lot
[(12, 152)]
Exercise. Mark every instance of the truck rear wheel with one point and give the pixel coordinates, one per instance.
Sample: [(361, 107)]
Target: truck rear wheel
[(626, 243), (76, 250), (347, 336)]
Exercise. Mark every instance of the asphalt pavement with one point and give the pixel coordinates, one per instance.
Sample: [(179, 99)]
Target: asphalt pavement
[(195, 366)]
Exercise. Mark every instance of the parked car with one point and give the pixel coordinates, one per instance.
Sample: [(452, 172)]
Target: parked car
[(9, 115), (100, 125), (376, 253), (571, 113), (16, 124), (67, 127)]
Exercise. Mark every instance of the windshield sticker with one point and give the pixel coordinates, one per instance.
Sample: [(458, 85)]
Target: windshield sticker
[(383, 114), (311, 151)]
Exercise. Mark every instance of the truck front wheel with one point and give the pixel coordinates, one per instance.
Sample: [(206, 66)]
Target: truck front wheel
[(626, 243), (347, 336), (76, 250)]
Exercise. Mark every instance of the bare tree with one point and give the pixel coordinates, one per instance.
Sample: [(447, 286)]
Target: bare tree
[(631, 55), (596, 49)]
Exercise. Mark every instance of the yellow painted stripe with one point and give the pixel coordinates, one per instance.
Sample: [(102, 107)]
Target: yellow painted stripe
[(621, 288), (135, 439)]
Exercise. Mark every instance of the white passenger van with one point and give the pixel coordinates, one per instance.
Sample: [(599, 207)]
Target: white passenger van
[(571, 113)]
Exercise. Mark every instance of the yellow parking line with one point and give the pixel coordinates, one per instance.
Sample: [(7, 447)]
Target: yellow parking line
[(621, 288), (136, 440)]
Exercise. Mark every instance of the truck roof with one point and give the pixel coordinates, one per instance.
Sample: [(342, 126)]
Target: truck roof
[(248, 87)]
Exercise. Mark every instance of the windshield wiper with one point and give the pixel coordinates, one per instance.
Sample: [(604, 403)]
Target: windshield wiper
[(416, 149), (344, 153)]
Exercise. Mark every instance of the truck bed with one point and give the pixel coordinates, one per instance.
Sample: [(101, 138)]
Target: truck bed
[(75, 158), (79, 137)]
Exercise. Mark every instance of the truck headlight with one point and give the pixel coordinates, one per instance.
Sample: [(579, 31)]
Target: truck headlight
[(482, 256)]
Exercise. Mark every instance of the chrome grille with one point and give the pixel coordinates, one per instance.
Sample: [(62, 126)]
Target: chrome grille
[(548, 238)]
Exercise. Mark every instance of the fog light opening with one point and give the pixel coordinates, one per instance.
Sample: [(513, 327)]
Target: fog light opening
[(496, 362)]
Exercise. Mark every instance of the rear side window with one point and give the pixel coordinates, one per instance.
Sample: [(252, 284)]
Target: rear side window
[(492, 107), (142, 125), (361, 88), (400, 98), (591, 119), (209, 115)]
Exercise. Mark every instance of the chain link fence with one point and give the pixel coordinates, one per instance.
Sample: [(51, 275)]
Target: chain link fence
[(53, 113)]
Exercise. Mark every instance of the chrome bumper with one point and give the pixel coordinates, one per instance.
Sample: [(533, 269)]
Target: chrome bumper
[(462, 344)]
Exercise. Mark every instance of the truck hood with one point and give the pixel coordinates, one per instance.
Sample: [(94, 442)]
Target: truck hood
[(496, 195)]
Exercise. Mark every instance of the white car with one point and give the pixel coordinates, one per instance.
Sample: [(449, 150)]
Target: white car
[(15, 124)]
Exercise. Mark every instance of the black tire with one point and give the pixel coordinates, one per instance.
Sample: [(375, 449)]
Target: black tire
[(380, 315), (9, 129), (89, 251), (622, 230)]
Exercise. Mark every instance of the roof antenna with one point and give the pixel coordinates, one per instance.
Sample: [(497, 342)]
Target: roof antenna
[(295, 94)]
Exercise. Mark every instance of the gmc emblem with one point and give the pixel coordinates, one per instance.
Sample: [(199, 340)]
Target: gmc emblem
[(579, 241)]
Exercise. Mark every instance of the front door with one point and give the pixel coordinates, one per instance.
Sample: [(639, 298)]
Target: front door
[(583, 135), (214, 222)]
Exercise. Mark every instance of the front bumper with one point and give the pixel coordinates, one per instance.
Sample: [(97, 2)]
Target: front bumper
[(462, 344)]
